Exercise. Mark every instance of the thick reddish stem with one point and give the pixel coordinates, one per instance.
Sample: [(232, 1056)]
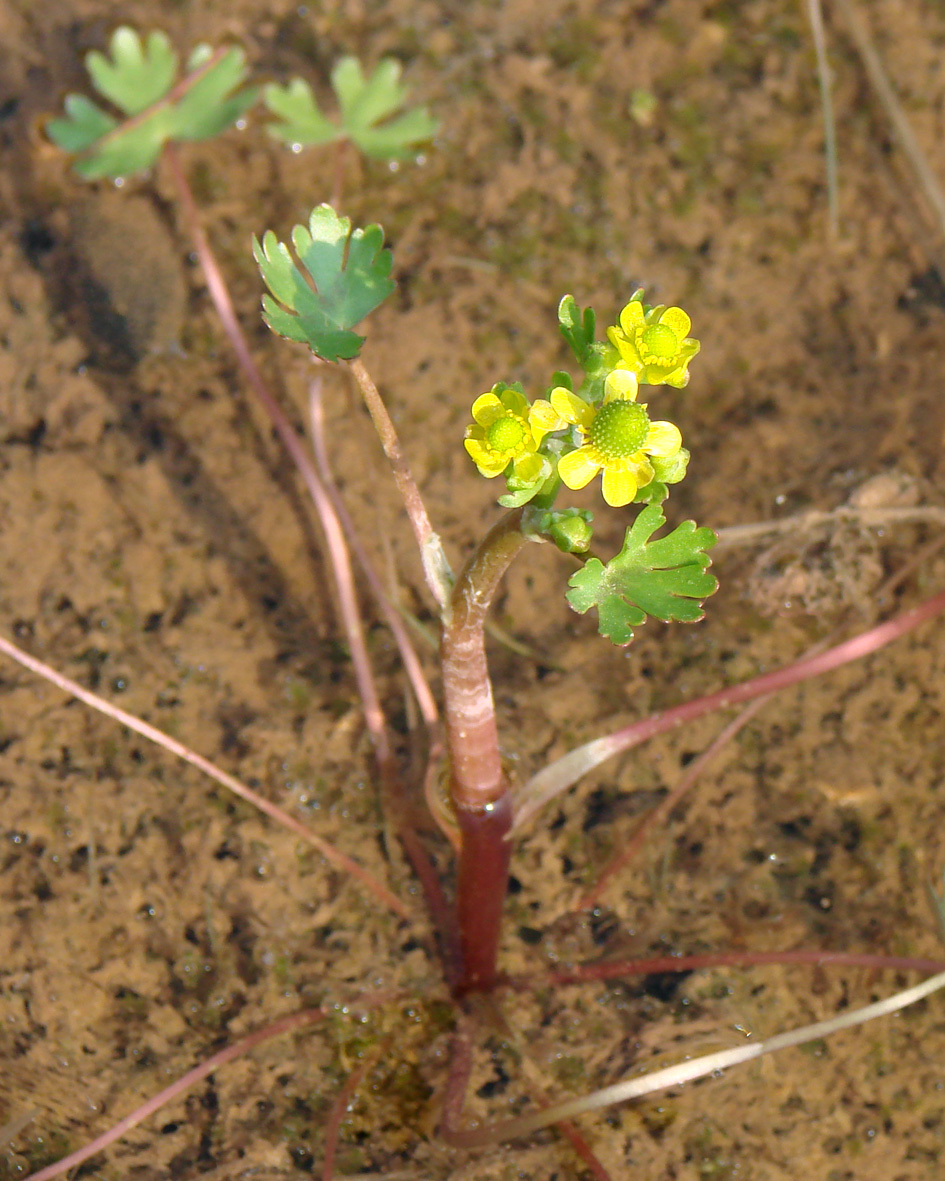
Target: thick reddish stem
[(479, 787), (476, 776), (480, 893)]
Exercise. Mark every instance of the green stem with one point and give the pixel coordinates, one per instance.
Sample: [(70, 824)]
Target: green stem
[(479, 787)]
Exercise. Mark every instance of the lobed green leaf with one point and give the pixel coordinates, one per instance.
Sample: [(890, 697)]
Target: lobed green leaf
[(666, 578), (367, 107), (348, 277), (85, 123), (213, 103), (138, 75), (302, 121), (140, 79)]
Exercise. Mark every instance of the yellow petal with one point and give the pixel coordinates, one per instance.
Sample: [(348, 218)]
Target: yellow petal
[(629, 353), (663, 439), (619, 486), (572, 409), (485, 459), (631, 317), (676, 319), (486, 409), (543, 419), (621, 385), (679, 378), (578, 468)]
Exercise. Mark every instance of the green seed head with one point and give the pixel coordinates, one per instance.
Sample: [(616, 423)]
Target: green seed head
[(619, 429), (660, 341), (506, 433)]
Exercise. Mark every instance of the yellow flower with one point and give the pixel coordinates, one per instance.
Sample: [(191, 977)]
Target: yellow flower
[(654, 343), (618, 438), (502, 434)]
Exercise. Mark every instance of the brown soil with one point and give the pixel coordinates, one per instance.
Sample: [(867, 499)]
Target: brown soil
[(155, 548)]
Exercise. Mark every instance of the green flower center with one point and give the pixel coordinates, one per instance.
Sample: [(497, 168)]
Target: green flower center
[(660, 341), (506, 433), (619, 430)]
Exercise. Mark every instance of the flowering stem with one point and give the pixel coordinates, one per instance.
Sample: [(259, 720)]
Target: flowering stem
[(436, 568), (479, 787)]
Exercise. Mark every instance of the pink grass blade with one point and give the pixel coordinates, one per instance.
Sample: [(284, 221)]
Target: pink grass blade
[(333, 856), (688, 1070), (341, 1105), (558, 776), (650, 965), (433, 891), (664, 808), (190, 1079), (582, 1149)]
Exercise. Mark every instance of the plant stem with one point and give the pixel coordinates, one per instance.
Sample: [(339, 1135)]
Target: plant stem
[(481, 886), (479, 787), (649, 965), (436, 568)]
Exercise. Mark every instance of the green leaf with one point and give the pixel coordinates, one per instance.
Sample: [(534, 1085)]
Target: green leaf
[(303, 122), (212, 103), (577, 327), (367, 107), (141, 80), (398, 138), (84, 125), (138, 75), (128, 149), (348, 277), (365, 101), (666, 578)]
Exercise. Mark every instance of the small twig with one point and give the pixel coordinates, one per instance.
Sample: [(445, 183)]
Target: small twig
[(816, 16), (343, 1102), (538, 1089), (900, 124), (408, 653), (332, 855), (652, 965), (883, 592), (872, 518)]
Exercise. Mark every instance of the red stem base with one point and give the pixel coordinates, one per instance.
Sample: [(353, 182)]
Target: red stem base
[(481, 888)]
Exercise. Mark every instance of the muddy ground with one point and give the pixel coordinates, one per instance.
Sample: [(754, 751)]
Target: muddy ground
[(155, 547)]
